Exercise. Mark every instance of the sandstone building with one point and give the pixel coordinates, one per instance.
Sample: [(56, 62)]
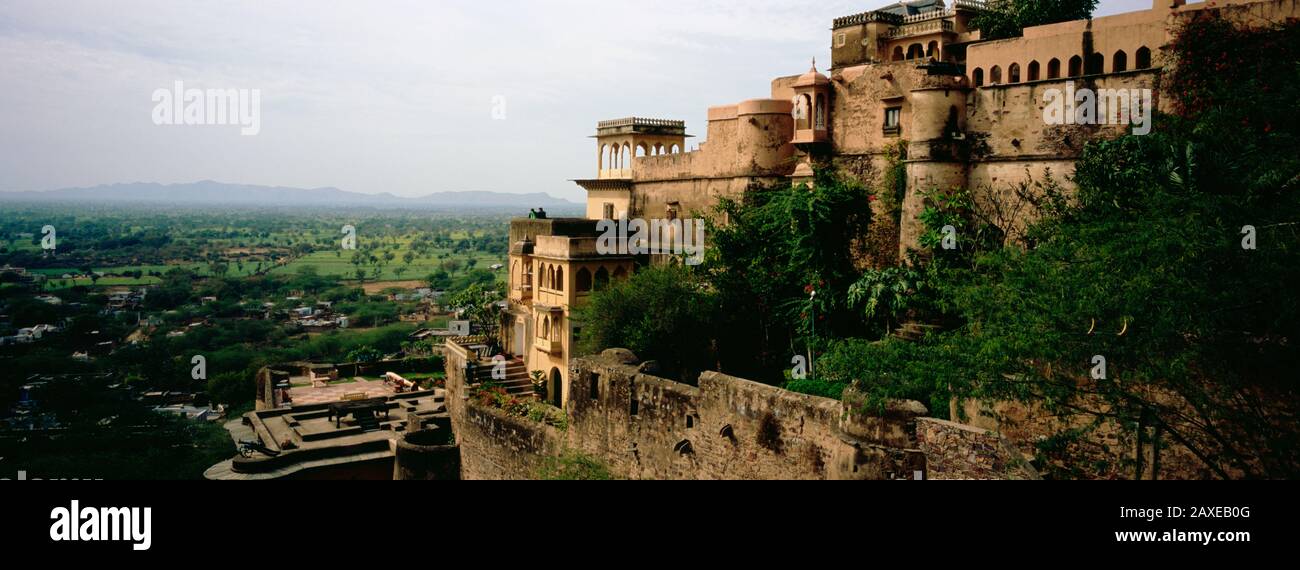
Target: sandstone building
[(910, 77)]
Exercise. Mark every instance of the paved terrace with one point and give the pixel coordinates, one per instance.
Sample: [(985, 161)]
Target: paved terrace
[(307, 438), (307, 395)]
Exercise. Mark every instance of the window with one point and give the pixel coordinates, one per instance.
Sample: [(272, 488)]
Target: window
[(892, 116), (995, 75), (1076, 66), (1094, 64), (559, 279), (1013, 73), (593, 389), (1033, 70), (977, 77), (1119, 62), (583, 280), (607, 211), (839, 40), (1143, 58), (1054, 69)]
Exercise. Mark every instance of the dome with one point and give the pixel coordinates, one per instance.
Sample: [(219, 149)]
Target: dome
[(813, 77)]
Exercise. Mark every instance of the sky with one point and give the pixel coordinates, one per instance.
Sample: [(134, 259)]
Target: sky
[(406, 97)]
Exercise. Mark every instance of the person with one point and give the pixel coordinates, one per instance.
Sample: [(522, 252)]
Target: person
[(532, 214), (541, 213)]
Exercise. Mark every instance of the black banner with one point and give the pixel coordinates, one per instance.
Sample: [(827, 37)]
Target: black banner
[(287, 521)]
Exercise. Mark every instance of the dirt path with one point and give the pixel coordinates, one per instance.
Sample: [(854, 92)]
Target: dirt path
[(372, 288)]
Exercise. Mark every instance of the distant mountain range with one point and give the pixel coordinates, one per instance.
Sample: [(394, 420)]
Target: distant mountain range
[(208, 192)]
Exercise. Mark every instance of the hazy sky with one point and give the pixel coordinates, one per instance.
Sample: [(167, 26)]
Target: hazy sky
[(381, 96)]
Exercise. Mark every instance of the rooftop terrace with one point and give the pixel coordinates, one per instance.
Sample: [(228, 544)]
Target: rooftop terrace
[(309, 436)]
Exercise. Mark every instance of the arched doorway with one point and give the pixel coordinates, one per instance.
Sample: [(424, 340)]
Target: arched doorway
[(555, 389)]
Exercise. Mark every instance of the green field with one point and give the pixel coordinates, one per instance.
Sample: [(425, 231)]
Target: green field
[(338, 263)]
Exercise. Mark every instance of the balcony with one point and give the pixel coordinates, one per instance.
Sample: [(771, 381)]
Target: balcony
[(803, 136), (920, 28), (551, 346)]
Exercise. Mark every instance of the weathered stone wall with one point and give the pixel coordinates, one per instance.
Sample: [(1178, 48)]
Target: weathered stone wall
[(645, 427), (958, 451)]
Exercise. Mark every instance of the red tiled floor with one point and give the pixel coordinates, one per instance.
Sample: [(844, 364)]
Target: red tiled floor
[(306, 395)]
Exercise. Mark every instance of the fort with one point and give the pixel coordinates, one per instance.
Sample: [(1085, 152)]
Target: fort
[(910, 82)]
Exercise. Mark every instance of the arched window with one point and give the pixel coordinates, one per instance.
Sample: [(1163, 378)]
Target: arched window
[(915, 51), (820, 117), (977, 77), (803, 110), (676, 149), (1054, 69), (1143, 59), (932, 50), (559, 279), (898, 54), (640, 149), (544, 330), (627, 156), (550, 276), (1033, 70), (1095, 64), (604, 155), (1119, 62), (1013, 73), (1076, 66), (995, 75), (583, 280), (602, 278)]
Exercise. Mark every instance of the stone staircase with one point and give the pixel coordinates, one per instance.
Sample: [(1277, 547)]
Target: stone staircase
[(516, 381)]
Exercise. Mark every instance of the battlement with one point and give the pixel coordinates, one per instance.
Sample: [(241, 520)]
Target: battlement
[(902, 12), (640, 125), (866, 17)]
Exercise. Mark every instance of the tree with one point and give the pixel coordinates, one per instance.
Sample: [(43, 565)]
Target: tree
[(662, 313), (783, 244), (365, 354), (1009, 18), (478, 304), (438, 280)]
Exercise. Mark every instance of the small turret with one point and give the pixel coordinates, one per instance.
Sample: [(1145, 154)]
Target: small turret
[(811, 107)]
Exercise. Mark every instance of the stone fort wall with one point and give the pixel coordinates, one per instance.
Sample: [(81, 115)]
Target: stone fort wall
[(645, 427)]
